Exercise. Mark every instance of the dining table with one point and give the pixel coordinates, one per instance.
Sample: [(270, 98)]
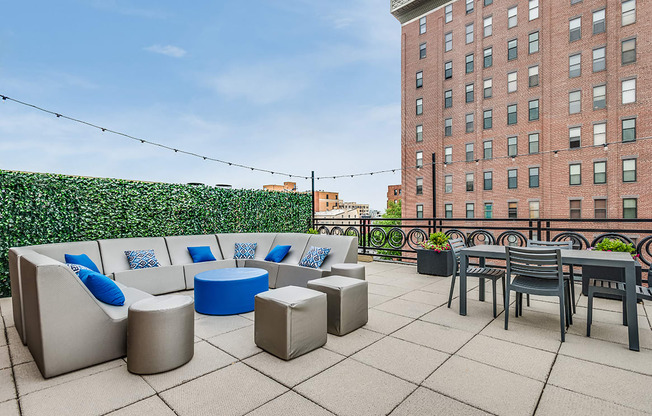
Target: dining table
[(570, 258)]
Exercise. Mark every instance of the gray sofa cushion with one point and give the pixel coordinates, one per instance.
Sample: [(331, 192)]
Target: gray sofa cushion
[(113, 252), (190, 270), (58, 251), (154, 280), (295, 275), (131, 296), (296, 241), (271, 267), (263, 243), (178, 247), (344, 249)]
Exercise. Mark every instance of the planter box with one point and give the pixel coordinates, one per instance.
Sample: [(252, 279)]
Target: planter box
[(606, 273), (433, 263)]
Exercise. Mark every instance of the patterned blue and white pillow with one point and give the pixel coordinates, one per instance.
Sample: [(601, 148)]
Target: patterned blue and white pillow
[(76, 267), (141, 259), (245, 250), (314, 257)]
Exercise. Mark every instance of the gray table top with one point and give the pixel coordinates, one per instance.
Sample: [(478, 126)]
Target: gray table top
[(592, 257)]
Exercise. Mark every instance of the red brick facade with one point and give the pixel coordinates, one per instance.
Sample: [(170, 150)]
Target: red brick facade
[(394, 194), (554, 193)]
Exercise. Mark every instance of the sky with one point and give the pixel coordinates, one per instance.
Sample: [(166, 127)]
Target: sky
[(291, 86)]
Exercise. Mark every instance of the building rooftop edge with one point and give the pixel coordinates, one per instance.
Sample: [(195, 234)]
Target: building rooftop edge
[(405, 10)]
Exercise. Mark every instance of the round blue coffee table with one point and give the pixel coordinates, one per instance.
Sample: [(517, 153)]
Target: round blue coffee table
[(229, 291)]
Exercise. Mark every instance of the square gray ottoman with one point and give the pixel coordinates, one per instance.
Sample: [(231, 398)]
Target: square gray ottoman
[(347, 302), (290, 321)]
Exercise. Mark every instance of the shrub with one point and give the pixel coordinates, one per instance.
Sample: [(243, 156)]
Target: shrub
[(609, 244)]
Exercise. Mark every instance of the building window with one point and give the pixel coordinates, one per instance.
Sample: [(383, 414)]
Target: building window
[(599, 97), (628, 51), (488, 2), (575, 29), (469, 152), (448, 210), (488, 26), (448, 41), (534, 178), (599, 172), (599, 62), (575, 174), (487, 88), (575, 208), (512, 81), (470, 208), (599, 134), (533, 110), (419, 186), (469, 93), (422, 51), (448, 70), (534, 209), (448, 184), (469, 6), (469, 33), (469, 123), (488, 181), (488, 57), (419, 211), (629, 208), (512, 210), (419, 106), (448, 98), (533, 142), (574, 102), (487, 119), (512, 179), (448, 127), (488, 149), (512, 17), (629, 170), (469, 63), (512, 50), (629, 91), (574, 137), (575, 1), (422, 25), (629, 129), (628, 11), (420, 133), (600, 208), (598, 22), (488, 210), (448, 155), (534, 9), (512, 146), (419, 159), (575, 66), (419, 79), (511, 114), (469, 182), (533, 42), (533, 76), (448, 11)]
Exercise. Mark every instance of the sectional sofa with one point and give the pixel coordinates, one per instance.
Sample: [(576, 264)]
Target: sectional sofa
[(66, 328)]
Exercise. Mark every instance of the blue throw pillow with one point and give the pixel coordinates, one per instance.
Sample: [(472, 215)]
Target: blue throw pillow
[(201, 253), (82, 259), (245, 250), (141, 259), (314, 257), (76, 267), (103, 288), (278, 253)]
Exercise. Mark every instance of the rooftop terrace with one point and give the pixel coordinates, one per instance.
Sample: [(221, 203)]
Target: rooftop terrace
[(414, 357)]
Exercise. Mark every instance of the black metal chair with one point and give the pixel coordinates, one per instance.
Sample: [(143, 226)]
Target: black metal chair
[(537, 272), (490, 273), (614, 288), (563, 245)]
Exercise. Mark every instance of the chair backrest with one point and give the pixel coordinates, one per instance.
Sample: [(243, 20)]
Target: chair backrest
[(456, 244), (564, 245), (535, 262)]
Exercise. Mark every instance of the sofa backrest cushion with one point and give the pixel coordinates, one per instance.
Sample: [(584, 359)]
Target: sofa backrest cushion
[(341, 247), (178, 247), (297, 242), (58, 251), (263, 243), (113, 252)]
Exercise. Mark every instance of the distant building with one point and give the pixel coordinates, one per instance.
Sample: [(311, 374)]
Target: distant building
[(286, 187), (362, 208), (343, 218), (393, 194), (374, 213), (327, 201)]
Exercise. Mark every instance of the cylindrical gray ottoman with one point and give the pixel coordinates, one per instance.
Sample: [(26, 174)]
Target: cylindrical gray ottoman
[(290, 321), (347, 302), (349, 270), (160, 334)]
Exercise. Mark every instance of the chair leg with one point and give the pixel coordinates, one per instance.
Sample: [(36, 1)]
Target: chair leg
[(450, 295), (528, 300), (516, 297), (506, 293), (562, 317), (520, 303), (624, 312), (572, 286), (589, 312), (493, 284), (568, 303)]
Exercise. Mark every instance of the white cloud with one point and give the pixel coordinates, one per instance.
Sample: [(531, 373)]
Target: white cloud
[(168, 50)]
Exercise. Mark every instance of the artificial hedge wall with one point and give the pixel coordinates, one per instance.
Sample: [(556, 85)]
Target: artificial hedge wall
[(45, 208)]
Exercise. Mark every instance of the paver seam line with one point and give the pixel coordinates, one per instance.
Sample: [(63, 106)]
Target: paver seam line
[(601, 399), (5, 333), (606, 365), (283, 394)]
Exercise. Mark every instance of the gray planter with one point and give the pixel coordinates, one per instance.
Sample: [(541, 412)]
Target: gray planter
[(606, 273), (434, 263)]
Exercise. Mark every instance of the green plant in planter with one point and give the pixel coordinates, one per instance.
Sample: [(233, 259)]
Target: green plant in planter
[(312, 231), (437, 242), (615, 245)]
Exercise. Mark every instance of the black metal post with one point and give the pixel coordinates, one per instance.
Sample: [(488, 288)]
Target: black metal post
[(434, 188), (313, 198)]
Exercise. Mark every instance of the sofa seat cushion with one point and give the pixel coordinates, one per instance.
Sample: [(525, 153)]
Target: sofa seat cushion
[(190, 270), (154, 281), (295, 275), (119, 313), (270, 267), (113, 252)]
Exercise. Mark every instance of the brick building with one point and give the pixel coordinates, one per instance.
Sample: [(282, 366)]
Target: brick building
[(540, 108), (326, 201), (394, 194), (286, 187)]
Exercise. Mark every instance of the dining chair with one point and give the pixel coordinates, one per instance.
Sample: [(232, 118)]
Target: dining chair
[(537, 272), (490, 273), (563, 245), (614, 288)]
